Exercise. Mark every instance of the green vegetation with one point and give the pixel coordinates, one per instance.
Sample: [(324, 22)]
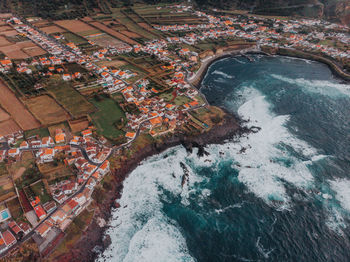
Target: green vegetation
[(30, 175), (69, 98), (41, 132), (3, 170), (70, 37), (108, 117), (38, 189)]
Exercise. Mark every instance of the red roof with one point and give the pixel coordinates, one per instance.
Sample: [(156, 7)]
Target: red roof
[(8, 237), (72, 204), (39, 211)]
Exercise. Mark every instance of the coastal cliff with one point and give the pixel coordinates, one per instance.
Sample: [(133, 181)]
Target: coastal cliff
[(93, 238)]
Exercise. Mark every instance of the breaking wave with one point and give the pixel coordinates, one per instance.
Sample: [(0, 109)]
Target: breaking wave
[(216, 72), (139, 229), (322, 87)]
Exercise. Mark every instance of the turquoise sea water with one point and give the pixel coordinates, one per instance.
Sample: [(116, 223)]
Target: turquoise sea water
[(286, 197)]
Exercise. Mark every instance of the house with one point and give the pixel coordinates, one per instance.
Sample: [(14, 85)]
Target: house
[(104, 168), (69, 188), (14, 227), (13, 152), (43, 229), (60, 138), (40, 212), (74, 205), (59, 216), (130, 135), (156, 121), (3, 246), (25, 227), (9, 239), (35, 143), (47, 155), (49, 206), (47, 141), (80, 199), (86, 132), (24, 145), (66, 77), (91, 183)]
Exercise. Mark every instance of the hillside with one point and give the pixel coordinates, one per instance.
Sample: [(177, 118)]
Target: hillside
[(335, 10)]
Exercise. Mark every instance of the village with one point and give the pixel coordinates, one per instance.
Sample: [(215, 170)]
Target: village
[(79, 96)]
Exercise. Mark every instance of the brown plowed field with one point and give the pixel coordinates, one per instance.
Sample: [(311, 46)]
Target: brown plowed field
[(8, 127), (114, 33), (46, 110), (15, 51), (16, 109), (5, 28), (52, 29), (75, 26), (130, 34)]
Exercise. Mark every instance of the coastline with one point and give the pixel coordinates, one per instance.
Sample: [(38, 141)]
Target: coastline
[(94, 236), (198, 77)]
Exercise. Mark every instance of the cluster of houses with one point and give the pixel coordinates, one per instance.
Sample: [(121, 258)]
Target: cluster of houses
[(12, 234)]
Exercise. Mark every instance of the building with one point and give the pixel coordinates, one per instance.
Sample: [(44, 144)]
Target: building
[(13, 152), (40, 212), (9, 239), (43, 229)]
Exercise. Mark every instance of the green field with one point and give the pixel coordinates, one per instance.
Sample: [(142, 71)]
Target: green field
[(41, 132), (39, 190), (108, 115), (69, 98), (70, 37)]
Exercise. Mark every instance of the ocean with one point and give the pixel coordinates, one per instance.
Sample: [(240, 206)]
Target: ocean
[(281, 194)]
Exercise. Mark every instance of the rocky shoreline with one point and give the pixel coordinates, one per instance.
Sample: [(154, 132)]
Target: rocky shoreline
[(94, 238)]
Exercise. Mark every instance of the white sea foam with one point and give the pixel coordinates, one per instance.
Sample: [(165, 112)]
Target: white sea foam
[(323, 87), (341, 187), (140, 231), (258, 169), (217, 72)]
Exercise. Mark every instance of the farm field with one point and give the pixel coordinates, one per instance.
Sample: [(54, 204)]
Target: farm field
[(78, 124), (105, 40), (8, 127), (3, 115), (22, 50), (105, 120), (76, 39), (52, 29), (74, 26), (16, 109), (46, 110), (70, 99), (114, 33)]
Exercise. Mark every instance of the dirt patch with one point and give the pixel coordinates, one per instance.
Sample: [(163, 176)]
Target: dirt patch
[(4, 41), (34, 51), (16, 109), (19, 173), (5, 28), (78, 125), (9, 33), (8, 127), (3, 115), (106, 40), (130, 34), (74, 26), (115, 63), (14, 51), (52, 29), (114, 33), (46, 110)]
